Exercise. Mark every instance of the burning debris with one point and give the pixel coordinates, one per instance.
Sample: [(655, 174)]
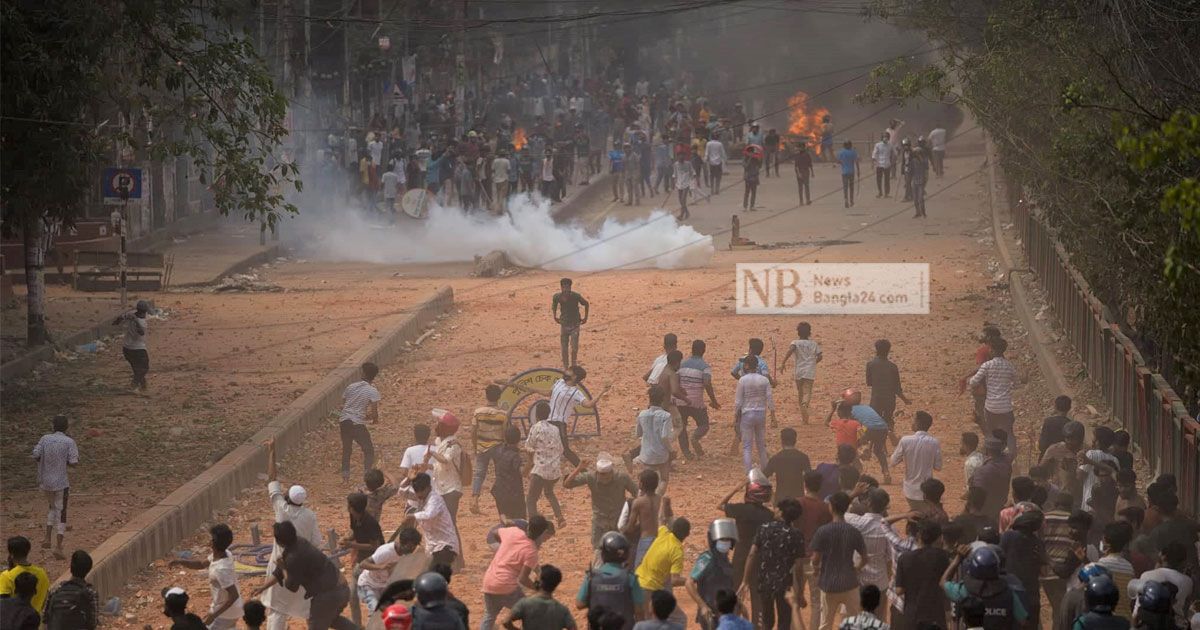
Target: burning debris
[(805, 121)]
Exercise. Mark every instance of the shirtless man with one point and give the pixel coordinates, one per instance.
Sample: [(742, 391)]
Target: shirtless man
[(645, 513)]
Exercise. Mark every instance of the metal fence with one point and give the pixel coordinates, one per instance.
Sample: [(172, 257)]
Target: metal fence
[(1141, 399)]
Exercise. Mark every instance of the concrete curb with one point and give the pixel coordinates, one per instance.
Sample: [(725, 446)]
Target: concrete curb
[(267, 255), (573, 206), (154, 532), (1056, 381)]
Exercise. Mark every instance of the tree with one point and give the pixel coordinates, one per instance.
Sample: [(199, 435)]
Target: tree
[(1092, 106), (160, 78)]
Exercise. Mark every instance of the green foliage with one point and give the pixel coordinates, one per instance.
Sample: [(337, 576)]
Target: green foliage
[(179, 75), (1093, 108)]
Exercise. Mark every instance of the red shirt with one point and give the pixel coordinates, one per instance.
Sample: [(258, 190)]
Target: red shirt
[(845, 431), (815, 514)]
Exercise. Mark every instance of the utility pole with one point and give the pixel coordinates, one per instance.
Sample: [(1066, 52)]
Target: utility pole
[(347, 112), (460, 73)]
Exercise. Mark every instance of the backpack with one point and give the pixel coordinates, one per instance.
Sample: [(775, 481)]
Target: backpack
[(67, 608)]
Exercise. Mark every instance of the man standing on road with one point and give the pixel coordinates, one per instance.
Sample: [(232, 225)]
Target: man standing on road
[(685, 180), (500, 169), (919, 173), (565, 308), (715, 158), (804, 170), (881, 157), (133, 345), (608, 490), (361, 406), (848, 158), (776, 563), (771, 148), (999, 376), (993, 476), (921, 454), (55, 453), (670, 344), (937, 153)]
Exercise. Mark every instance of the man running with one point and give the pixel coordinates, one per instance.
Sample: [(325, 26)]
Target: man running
[(804, 171)]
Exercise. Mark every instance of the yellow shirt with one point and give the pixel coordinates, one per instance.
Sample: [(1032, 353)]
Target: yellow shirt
[(490, 423), (663, 559), (8, 583)]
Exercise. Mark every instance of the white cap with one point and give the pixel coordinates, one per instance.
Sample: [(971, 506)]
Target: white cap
[(604, 462), (297, 494), (174, 590)]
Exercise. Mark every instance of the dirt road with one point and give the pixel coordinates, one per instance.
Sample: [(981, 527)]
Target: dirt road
[(502, 327)]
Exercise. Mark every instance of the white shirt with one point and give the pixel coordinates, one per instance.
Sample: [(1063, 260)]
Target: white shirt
[(433, 519), (135, 332), (545, 443), (358, 397), (290, 603), (753, 393), (447, 477), (685, 177), (377, 580), (54, 452), (1163, 574), (221, 575), (921, 454), (714, 152), (881, 155), (656, 430), (937, 139), (500, 167), (999, 375), (376, 149), (389, 180), (1089, 482), (563, 399), (414, 456), (807, 353), (656, 369), (879, 549)]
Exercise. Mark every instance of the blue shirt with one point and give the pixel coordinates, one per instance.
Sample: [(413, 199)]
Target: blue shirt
[(733, 622), (868, 417), (618, 161), (849, 159), (763, 368), (608, 568)]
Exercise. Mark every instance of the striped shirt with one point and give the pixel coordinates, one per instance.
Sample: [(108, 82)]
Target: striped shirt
[(358, 398), (753, 393), (563, 399), (837, 543), (999, 375), (879, 549), (694, 374), (54, 452)]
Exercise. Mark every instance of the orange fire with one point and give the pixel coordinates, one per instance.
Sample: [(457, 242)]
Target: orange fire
[(804, 122), (518, 139)]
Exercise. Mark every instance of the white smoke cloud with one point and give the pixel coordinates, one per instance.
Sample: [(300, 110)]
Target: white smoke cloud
[(529, 236)]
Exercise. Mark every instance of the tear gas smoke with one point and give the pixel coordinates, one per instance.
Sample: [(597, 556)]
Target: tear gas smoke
[(529, 236)]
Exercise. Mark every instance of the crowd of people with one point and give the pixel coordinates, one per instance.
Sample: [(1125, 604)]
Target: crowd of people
[(543, 134), (1074, 531)]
